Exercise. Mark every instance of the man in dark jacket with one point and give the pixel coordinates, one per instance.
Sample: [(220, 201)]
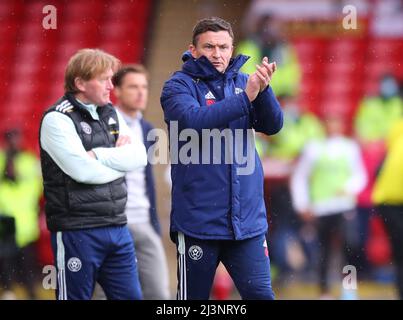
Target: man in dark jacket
[(218, 212), (131, 90)]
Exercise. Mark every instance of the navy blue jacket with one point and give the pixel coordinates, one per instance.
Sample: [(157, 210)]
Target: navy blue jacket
[(213, 201), (150, 184)]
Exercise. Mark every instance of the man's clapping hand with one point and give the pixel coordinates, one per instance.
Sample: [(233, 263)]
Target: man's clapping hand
[(260, 79)]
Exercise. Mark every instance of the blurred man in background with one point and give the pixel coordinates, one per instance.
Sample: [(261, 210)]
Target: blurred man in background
[(377, 114), (20, 190), (324, 186), (131, 90)]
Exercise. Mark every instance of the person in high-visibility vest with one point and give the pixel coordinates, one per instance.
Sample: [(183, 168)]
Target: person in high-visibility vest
[(267, 40), (20, 190), (376, 115), (324, 185)]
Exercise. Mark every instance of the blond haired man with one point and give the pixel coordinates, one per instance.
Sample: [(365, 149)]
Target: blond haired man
[(86, 149)]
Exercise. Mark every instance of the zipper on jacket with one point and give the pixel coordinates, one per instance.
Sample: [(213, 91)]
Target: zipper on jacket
[(105, 131)]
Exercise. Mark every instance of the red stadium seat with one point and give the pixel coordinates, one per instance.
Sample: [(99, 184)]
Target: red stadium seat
[(40, 56), (86, 33), (77, 10)]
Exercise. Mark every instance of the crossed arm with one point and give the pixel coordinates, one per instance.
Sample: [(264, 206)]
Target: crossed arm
[(60, 140)]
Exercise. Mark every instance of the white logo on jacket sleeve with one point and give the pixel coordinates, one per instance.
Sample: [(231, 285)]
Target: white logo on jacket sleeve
[(86, 127), (111, 121), (195, 253), (74, 264)]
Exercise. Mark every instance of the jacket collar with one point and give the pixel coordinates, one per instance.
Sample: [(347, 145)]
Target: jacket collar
[(94, 113), (202, 68)]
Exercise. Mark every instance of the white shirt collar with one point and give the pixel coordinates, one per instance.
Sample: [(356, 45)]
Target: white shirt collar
[(129, 119), (91, 108)]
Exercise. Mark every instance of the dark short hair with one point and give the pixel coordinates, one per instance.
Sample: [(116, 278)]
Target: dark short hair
[(118, 77), (214, 24)]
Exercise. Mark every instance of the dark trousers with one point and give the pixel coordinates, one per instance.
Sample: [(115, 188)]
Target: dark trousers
[(393, 218), (332, 229), (104, 255), (247, 261), (364, 216)]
